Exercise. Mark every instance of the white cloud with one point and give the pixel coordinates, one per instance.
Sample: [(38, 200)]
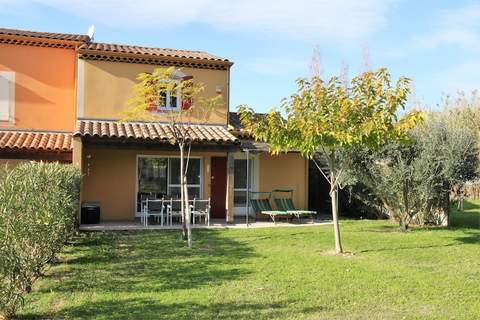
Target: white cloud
[(458, 27), (463, 77), (273, 66), (455, 28), (341, 20)]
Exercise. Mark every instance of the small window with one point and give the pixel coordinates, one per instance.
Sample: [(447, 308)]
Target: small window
[(7, 95), (170, 100)]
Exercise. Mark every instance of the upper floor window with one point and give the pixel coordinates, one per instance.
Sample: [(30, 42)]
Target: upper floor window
[(7, 95), (170, 99)]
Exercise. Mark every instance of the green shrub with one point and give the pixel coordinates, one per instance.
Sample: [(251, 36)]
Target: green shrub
[(38, 210), (414, 181)]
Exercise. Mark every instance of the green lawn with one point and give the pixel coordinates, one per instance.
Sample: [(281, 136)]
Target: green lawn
[(469, 217), (276, 273)]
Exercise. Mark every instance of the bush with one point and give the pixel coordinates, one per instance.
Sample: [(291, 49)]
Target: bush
[(38, 210), (414, 180)]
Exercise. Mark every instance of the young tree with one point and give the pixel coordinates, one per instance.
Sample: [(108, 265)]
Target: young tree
[(330, 118), (151, 93)]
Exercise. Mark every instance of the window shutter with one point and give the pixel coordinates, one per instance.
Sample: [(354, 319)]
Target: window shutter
[(187, 103), (7, 94), (152, 106)]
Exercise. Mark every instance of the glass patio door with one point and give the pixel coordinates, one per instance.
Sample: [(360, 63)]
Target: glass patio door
[(152, 179), (159, 177)]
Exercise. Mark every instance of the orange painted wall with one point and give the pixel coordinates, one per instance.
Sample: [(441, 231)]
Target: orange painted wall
[(44, 88)]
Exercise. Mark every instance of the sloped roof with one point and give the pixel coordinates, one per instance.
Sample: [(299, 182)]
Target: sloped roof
[(35, 140), (114, 52), (45, 35), (236, 127), (151, 131), (149, 51), (234, 120)]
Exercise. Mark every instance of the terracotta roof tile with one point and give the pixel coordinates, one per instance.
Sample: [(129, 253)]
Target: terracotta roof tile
[(31, 140), (45, 35), (235, 126), (147, 51), (150, 131)]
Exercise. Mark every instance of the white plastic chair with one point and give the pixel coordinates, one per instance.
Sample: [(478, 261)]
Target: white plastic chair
[(201, 208), (154, 208), (174, 210)]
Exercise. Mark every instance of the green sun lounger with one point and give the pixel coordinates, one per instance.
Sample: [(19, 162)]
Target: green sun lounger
[(286, 204), (263, 206)]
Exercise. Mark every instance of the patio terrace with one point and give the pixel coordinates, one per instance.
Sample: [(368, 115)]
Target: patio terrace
[(214, 224)]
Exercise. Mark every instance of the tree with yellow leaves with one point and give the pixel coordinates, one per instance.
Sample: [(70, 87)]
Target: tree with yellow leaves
[(331, 117), (167, 94)]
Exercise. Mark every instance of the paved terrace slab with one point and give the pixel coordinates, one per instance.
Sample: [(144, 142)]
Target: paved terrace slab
[(215, 224)]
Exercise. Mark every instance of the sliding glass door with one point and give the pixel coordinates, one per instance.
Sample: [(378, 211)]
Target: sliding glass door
[(159, 177)]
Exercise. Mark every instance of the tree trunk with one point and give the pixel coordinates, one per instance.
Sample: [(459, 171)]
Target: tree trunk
[(446, 211), (336, 226), (403, 224), (188, 214), (182, 194)]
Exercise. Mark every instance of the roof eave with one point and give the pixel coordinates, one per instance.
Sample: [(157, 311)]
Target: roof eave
[(71, 43), (226, 63)]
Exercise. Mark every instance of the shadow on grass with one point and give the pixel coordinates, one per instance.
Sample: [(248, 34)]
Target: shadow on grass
[(123, 309), (470, 238), (469, 217), (415, 247), (465, 220), (467, 205), (148, 261)]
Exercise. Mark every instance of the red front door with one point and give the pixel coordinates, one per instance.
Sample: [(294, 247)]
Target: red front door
[(219, 186)]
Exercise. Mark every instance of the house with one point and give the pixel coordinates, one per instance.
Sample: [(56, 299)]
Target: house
[(37, 95), (124, 162)]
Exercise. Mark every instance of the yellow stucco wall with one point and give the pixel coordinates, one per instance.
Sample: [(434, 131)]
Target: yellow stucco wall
[(285, 171), (109, 85), (110, 178), (11, 163)]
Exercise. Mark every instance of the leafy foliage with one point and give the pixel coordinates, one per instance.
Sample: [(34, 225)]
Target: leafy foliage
[(151, 92), (414, 180), (332, 117), (38, 206)]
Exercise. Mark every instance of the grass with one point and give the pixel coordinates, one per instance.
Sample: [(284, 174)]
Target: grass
[(276, 273), (469, 217)]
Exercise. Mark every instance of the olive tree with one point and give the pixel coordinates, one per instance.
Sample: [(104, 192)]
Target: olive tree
[(414, 180), (332, 117)]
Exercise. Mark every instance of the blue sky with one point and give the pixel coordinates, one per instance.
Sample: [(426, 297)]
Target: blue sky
[(434, 42)]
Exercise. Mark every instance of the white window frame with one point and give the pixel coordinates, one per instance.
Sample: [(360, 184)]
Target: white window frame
[(10, 76), (168, 100), (240, 210), (169, 185), (168, 157)]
